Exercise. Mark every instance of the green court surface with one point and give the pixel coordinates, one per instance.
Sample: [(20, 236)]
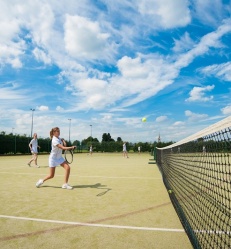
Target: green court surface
[(116, 202)]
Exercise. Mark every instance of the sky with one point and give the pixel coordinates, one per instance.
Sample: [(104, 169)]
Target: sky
[(99, 66)]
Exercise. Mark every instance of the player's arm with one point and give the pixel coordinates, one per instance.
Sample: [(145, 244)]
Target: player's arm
[(30, 146), (65, 147), (64, 142)]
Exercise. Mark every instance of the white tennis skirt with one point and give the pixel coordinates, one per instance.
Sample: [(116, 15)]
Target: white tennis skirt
[(54, 162)]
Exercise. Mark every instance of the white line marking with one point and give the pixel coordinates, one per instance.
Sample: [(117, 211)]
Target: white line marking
[(95, 225), (114, 226), (112, 177), (125, 177)]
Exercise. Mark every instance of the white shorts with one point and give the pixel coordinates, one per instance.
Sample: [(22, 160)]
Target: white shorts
[(54, 162)]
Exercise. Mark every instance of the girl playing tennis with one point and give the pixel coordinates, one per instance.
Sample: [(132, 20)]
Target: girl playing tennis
[(55, 158), (125, 153), (34, 150)]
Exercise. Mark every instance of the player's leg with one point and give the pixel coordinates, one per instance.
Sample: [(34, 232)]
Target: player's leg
[(49, 176), (31, 160), (35, 159), (67, 168)]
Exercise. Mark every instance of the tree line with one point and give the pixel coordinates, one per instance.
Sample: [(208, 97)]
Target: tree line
[(19, 144)]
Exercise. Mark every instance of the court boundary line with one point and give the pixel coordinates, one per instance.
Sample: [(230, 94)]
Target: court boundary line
[(112, 177), (93, 224), (67, 226), (71, 224)]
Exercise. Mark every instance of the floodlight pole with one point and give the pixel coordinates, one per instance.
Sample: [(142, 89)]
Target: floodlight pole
[(14, 140), (32, 121), (91, 132), (15, 143), (69, 129)]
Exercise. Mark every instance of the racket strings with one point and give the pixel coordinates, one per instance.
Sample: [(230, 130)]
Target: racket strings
[(68, 156)]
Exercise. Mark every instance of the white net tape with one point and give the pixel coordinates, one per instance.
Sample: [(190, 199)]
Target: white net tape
[(207, 131)]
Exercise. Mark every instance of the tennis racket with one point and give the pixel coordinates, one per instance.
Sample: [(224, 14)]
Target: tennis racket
[(68, 154)]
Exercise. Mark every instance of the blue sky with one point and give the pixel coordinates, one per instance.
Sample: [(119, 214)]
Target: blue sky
[(110, 63)]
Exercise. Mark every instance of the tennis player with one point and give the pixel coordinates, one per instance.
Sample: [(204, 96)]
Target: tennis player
[(56, 159), (139, 149), (125, 153), (34, 150), (90, 150)]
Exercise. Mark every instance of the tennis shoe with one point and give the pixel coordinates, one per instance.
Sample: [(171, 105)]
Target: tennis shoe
[(39, 183), (67, 186), (37, 166), (29, 164)]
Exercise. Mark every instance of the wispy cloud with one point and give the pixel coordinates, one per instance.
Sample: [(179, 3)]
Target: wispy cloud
[(195, 117), (161, 119), (221, 71), (42, 108), (226, 110), (185, 43), (198, 94)]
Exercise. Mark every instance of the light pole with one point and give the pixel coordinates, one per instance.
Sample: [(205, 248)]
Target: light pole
[(14, 140), (69, 129), (32, 121), (91, 132), (15, 143)]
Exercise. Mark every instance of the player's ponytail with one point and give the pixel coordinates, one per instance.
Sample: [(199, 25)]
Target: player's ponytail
[(52, 131)]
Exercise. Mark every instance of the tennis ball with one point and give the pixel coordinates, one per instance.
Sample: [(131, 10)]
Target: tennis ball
[(170, 191), (144, 119)]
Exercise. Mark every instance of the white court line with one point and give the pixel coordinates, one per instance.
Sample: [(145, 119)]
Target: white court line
[(126, 177), (113, 226), (112, 177), (95, 225)]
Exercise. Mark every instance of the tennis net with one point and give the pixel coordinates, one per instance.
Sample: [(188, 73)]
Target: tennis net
[(197, 174)]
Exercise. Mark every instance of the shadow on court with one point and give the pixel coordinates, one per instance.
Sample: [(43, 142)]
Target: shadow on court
[(96, 186)]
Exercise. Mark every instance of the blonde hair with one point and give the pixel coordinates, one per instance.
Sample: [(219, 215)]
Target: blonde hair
[(52, 131)]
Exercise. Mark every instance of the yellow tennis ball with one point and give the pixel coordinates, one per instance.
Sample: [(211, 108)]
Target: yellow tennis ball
[(170, 191), (144, 119)]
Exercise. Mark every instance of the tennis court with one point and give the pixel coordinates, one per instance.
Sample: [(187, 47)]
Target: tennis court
[(116, 203)]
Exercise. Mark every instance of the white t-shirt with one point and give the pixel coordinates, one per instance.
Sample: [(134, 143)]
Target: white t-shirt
[(56, 152), (124, 147), (34, 147), (55, 157)]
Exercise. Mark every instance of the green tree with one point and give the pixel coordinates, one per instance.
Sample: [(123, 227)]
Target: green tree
[(107, 138)]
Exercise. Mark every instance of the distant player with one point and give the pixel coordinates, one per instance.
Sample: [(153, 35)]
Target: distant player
[(139, 149), (204, 150), (125, 153), (90, 149), (34, 150)]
